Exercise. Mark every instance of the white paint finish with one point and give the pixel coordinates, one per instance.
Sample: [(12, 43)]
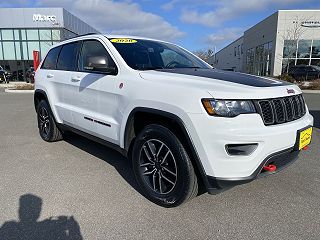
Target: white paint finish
[(100, 98)]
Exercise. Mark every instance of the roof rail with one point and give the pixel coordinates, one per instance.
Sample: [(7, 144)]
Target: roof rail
[(81, 35)]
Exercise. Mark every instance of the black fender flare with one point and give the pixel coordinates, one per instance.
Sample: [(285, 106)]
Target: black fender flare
[(38, 92), (195, 155)]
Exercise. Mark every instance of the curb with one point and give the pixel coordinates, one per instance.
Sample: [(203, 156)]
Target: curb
[(18, 91), (311, 91)]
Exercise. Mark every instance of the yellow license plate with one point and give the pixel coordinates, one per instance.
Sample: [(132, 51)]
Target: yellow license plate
[(305, 138)]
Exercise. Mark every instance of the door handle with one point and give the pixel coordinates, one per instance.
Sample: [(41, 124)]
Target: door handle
[(75, 79), (50, 75)]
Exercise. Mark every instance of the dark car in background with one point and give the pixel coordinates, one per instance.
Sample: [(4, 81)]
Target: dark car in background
[(304, 72), (4, 75), (17, 75), (30, 75)]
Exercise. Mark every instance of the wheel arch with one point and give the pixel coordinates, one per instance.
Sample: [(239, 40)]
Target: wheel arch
[(38, 96), (173, 123)]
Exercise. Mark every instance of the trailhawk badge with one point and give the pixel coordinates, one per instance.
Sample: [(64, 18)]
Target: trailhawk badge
[(290, 91)]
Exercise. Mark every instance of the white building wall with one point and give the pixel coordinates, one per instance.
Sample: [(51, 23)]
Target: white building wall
[(76, 25), (286, 24), (261, 33), (272, 29), (230, 57)]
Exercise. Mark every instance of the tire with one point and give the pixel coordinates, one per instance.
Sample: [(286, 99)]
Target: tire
[(163, 168), (48, 129)]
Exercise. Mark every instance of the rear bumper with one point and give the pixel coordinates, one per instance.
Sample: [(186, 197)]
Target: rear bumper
[(281, 159)]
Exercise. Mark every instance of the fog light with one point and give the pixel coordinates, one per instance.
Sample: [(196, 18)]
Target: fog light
[(241, 149)]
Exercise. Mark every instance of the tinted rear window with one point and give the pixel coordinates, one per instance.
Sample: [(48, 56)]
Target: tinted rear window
[(68, 57), (51, 58)]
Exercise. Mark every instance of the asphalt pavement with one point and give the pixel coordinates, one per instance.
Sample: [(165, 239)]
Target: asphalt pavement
[(81, 189)]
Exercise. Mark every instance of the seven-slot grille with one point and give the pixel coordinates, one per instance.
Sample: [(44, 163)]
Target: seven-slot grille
[(281, 110)]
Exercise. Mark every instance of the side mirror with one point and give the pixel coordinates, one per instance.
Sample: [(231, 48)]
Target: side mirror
[(99, 64)]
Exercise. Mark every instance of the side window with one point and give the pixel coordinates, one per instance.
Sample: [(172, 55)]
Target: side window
[(51, 58), (92, 49), (68, 57)]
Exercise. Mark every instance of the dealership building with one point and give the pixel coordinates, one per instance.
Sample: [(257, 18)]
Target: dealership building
[(23, 30), (269, 48)]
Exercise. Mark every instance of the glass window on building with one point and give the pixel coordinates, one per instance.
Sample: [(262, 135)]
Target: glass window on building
[(25, 51), (316, 49), (45, 34), (303, 61), (18, 50), (8, 51), (250, 60), (16, 34), (315, 62), (44, 48), (289, 48), (1, 54), (286, 64), (304, 48), (56, 34), (31, 47), (259, 60), (23, 34), (32, 34), (7, 34)]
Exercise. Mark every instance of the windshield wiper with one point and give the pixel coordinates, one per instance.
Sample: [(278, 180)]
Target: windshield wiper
[(150, 68), (191, 67)]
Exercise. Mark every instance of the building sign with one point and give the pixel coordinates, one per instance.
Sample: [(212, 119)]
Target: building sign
[(44, 18), (311, 24)]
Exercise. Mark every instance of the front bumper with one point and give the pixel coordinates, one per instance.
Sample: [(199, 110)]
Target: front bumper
[(280, 159), (211, 134)]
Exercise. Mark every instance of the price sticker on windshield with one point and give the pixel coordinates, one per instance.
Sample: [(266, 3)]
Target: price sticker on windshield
[(123, 40)]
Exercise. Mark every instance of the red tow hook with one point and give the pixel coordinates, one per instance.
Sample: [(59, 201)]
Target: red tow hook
[(305, 148), (270, 168)]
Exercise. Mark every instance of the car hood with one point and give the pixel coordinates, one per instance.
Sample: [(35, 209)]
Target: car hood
[(223, 84)]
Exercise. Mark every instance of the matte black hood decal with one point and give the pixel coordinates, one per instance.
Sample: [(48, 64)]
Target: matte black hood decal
[(234, 77)]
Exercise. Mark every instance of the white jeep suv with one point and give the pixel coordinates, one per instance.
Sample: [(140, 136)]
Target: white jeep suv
[(180, 122)]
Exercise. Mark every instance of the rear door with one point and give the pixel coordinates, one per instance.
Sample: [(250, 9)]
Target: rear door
[(46, 78), (64, 86)]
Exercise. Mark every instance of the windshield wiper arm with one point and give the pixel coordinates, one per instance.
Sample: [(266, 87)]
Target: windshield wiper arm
[(151, 68)]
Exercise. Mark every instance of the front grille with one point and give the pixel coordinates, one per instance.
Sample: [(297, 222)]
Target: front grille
[(281, 110)]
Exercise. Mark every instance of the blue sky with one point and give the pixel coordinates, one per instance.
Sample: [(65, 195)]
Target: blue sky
[(194, 24)]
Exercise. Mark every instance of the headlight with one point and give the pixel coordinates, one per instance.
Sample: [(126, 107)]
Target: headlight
[(227, 108)]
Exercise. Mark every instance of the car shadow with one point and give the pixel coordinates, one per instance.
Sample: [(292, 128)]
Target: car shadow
[(106, 154), (29, 228), (316, 116)]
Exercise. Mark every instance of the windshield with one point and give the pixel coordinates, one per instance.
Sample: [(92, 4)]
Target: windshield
[(147, 55)]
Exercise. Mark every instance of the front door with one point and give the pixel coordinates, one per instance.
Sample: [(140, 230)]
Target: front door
[(96, 100)]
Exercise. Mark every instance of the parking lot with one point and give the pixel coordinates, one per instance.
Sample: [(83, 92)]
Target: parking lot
[(94, 185)]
